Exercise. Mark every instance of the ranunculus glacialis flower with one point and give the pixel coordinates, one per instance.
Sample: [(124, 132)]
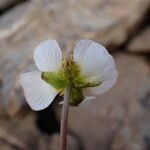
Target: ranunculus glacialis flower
[(90, 68)]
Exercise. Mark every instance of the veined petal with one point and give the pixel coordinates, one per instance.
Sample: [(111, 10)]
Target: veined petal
[(96, 64), (107, 83), (38, 93), (93, 58), (48, 56)]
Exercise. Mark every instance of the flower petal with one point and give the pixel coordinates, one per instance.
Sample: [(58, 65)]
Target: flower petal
[(87, 98), (97, 65), (48, 56), (38, 93), (107, 83), (91, 57)]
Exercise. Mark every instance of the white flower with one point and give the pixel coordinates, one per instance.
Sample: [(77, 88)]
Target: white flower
[(92, 68)]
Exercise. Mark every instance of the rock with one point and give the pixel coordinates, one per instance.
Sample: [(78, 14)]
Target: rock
[(17, 18), (4, 4), (97, 20), (27, 136), (141, 42), (52, 143), (116, 120), (135, 132), (20, 134)]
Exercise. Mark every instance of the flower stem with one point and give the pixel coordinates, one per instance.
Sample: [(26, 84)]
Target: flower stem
[(64, 119)]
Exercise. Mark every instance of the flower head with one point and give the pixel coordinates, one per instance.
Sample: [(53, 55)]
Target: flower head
[(89, 68)]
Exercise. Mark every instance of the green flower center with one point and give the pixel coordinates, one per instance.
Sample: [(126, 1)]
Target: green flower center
[(70, 74)]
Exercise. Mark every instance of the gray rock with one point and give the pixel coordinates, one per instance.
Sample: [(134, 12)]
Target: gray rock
[(141, 42), (23, 134), (72, 143), (7, 3), (18, 134), (72, 21), (15, 19)]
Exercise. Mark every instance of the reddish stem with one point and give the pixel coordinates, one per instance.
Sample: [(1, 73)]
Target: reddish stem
[(64, 119)]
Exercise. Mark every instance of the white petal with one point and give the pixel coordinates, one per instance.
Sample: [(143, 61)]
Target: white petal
[(38, 93), (87, 95), (87, 98), (97, 65), (92, 58), (106, 84), (48, 56)]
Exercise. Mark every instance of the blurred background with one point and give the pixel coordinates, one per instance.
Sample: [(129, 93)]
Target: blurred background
[(116, 120)]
